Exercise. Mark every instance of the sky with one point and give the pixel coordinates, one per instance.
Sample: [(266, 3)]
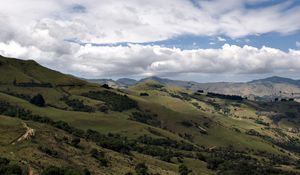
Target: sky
[(199, 40)]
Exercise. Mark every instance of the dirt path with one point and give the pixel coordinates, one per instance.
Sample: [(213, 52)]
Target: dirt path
[(27, 135), (30, 171)]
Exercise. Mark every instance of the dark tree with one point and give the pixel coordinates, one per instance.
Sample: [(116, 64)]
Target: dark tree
[(38, 100), (200, 91), (106, 86), (144, 94)]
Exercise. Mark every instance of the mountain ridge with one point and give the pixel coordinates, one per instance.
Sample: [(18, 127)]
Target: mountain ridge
[(263, 89)]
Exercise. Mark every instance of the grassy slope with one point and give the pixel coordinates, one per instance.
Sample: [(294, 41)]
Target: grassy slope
[(27, 71), (28, 153), (171, 111)]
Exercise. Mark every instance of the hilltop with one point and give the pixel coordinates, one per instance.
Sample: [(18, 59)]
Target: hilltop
[(25, 72)]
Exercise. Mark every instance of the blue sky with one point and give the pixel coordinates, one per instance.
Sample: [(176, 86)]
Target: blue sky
[(200, 40), (188, 42)]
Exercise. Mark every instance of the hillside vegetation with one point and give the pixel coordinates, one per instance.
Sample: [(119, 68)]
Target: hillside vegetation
[(53, 123)]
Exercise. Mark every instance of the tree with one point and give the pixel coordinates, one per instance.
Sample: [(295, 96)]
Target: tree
[(106, 86), (141, 169), (38, 100), (183, 170), (144, 94)]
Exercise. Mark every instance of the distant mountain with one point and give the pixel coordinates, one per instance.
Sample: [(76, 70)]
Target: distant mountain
[(268, 88), (120, 83), (277, 79), (126, 81), (263, 89), (110, 82)]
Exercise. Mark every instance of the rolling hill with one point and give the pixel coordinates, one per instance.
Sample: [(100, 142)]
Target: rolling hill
[(263, 89), (151, 127)]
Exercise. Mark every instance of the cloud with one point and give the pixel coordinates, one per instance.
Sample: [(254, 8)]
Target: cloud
[(39, 30), (221, 39), (298, 44), (100, 21), (141, 60)]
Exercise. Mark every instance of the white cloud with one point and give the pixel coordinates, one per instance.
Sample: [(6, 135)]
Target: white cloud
[(221, 39), (298, 44), (144, 20), (34, 29), (139, 60)]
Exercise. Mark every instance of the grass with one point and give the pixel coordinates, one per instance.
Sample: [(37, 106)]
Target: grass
[(198, 167)]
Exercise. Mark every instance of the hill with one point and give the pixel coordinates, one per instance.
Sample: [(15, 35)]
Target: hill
[(28, 72), (277, 79), (148, 128), (127, 81), (263, 89)]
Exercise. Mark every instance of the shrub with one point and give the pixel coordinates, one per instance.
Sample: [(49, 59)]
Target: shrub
[(183, 170), (100, 157), (52, 170), (116, 102), (145, 118), (48, 151), (106, 86), (38, 100), (78, 105), (144, 94), (223, 96), (186, 123), (9, 169)]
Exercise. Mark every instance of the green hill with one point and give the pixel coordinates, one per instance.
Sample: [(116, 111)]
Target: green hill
[(29, 72), (150, 126)]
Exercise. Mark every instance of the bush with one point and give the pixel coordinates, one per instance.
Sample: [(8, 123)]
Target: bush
[(38, 100), (183, 170), (52, 170), (116, 102), (106, 86), (100, 157), (78, 105), (186, 123), (9, 169), (49, 151), (223, 96), (144, 94), (145, 118)]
